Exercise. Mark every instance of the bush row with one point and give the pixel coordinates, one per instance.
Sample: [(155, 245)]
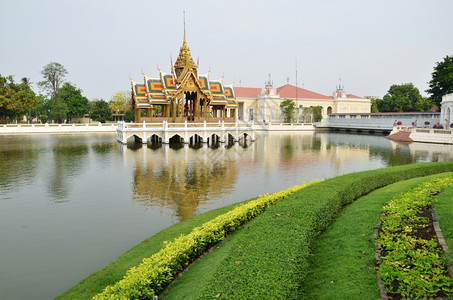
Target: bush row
[(157, 271), (413, 266), (276, 252)]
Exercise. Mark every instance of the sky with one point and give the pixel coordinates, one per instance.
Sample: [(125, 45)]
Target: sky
[(368, 45)]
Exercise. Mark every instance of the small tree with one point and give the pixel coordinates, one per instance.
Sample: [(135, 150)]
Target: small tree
[(288, 108), (314, 113), (41, 110), (129, 116), (120, 102), (442, 80), (77, 104), (375, 105), (100, 111)]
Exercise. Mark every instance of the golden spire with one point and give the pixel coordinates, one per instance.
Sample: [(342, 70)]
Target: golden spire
[(184, 59), (185, 42)]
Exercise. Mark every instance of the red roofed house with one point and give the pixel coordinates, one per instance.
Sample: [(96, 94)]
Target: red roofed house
[(264, 104)]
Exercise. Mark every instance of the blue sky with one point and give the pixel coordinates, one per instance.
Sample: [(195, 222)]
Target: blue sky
[(369, 44)]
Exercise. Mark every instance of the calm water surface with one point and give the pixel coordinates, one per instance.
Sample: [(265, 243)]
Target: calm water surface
[(70, 204)]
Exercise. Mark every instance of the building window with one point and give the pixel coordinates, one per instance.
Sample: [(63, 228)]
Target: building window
[(329, 110), (250, 114)]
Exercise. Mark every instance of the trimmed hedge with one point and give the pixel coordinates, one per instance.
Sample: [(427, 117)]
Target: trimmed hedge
[(317, 207), (157, 271), (413, 267), (276, 265)]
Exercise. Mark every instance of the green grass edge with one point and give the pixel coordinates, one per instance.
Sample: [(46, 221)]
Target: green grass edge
[(115, 270), (368, 178)]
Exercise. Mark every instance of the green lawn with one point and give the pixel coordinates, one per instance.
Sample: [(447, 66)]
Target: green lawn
[(272, 256), (342, 264), (343, 257), (444, 211)]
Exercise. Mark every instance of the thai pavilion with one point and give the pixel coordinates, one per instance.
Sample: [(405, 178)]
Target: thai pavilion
[(183, 95)]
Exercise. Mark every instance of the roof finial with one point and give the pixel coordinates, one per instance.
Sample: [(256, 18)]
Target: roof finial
[(184, 13)]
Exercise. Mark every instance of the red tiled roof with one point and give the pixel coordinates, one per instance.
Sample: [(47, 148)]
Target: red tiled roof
[(246, 92), (285, 91), (289, 91), (353, 96)]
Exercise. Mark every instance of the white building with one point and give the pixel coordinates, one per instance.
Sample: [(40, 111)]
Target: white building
[(446, 111), (263, 104)]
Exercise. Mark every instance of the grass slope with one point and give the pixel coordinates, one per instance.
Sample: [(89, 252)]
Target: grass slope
[(273, 249), (268, 258), (444, 211), (343, 258)]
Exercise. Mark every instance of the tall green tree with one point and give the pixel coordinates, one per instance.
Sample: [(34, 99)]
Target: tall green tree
[(76, 103), (442, 80), (54, 77), (100, 111), (288, 108), (16, 99), (404, 98)]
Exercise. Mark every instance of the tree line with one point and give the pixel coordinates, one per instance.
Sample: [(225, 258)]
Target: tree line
[(60, 100)]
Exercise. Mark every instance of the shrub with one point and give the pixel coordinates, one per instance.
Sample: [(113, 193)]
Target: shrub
[(412, 267), (427, 123), (157, 271), (399, 123), (284, 264), (438, 126), (317, 206)]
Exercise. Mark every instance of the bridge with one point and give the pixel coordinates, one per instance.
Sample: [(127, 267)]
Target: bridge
[(187, 132), (376, 122)]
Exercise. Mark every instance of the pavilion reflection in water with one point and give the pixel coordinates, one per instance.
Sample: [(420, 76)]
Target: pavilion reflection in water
[(178, 181)]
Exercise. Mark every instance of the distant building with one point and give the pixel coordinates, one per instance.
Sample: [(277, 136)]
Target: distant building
[(446, 112), (264, 104)]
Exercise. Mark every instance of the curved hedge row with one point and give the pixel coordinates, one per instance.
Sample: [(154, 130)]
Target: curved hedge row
[(157, 271), (318, 208), (413, 267), (276, 266)]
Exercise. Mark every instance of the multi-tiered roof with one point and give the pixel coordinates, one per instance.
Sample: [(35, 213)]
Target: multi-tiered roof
[(183, 78)]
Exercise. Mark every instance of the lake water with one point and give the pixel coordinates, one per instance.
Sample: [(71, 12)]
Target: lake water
[(70, 204)]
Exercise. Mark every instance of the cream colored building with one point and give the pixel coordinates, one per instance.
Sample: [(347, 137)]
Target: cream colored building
[(264, 104)]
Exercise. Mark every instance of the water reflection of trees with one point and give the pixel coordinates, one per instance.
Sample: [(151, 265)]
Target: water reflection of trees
[(180, 185), (18, 162), (69, 160)]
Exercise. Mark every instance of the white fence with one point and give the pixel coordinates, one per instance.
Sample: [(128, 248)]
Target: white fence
[(57, 128)]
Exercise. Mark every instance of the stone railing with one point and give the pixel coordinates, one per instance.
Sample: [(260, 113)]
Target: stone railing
[(57, 128)]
